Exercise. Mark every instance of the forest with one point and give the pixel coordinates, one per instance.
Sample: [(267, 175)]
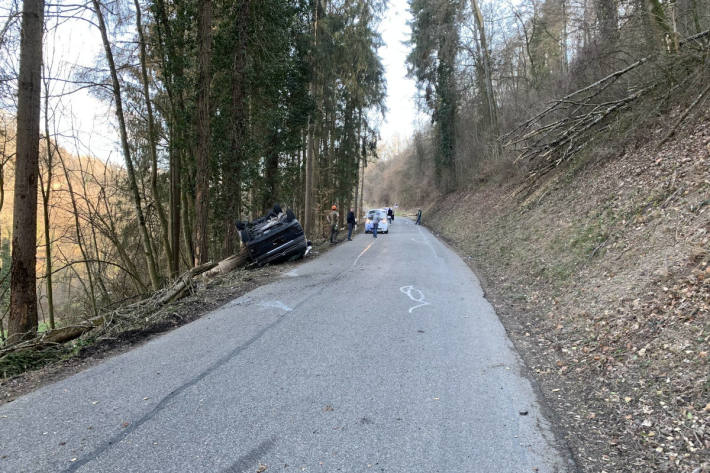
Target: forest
[(221, 109), (518, 88)]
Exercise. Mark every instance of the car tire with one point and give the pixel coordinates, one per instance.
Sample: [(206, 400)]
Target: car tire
[(386, 232), (290, 216)]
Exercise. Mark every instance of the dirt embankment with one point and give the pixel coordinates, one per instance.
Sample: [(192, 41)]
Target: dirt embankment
[(602, 278)]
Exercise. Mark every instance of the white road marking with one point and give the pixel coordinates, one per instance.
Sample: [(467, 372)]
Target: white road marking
[(414, 294), (291, 273), (276, 305), (362, 253), (426, 240)]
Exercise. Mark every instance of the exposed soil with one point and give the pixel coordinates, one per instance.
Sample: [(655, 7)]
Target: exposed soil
[(88, 351), (602, 279)]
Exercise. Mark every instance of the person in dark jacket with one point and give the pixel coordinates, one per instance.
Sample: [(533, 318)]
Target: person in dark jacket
[(419, 217), (351, 224)]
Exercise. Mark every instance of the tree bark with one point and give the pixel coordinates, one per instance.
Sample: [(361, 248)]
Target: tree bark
[(232, 169), (485, 59), (23, 295), (46, 193), (145, 238), (202, 193)]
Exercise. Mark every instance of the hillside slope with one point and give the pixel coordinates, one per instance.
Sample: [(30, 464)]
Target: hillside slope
[(602, 278)]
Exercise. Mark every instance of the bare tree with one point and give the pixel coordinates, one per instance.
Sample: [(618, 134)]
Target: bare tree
[(145, 237)]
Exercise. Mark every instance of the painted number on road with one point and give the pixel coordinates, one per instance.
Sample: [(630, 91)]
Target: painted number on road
[(415, 295)]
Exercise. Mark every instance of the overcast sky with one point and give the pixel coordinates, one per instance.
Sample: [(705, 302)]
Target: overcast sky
[(77, 42), (402, 116)]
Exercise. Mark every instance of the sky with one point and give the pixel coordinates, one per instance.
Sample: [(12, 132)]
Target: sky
[(402, 116), (78, 43)]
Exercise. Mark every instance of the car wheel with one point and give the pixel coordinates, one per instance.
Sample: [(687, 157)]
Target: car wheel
[(387, 231), (290, 216)]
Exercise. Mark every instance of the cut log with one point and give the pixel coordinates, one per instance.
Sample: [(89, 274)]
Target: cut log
[(55, 337), (183, 282), (239, 260)]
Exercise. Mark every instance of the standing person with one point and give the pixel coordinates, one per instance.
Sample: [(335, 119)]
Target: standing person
[(333, 221), (390, 214), (375, 223), (351, 224), (419, 217)]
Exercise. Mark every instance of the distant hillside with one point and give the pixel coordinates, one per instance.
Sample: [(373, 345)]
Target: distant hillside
[(94, 186)]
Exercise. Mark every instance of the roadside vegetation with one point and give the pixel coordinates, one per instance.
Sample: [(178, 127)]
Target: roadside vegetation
[(220, 111), (580, 196)]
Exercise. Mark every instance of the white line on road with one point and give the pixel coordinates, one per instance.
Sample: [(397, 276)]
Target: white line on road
[(276, 305), (426, 240), (362, 253), (414, 294)]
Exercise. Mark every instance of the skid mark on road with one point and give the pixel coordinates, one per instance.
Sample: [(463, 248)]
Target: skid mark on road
[(165, 401), (246, 462), (414, 294)]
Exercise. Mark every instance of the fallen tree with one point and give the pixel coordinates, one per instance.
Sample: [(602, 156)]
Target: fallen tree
[(128, 314), (570, 123)]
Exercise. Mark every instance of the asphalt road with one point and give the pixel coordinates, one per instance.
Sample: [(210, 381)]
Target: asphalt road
[(380, 355)]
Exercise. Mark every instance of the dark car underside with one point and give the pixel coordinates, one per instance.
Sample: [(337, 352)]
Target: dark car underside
[(274, 238)]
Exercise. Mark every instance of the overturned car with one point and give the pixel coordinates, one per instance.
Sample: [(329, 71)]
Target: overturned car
[(274, 238)]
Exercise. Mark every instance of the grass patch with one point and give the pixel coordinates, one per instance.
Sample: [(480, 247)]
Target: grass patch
[(17, 363)]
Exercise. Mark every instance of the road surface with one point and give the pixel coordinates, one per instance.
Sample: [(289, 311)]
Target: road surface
[(379, 356)]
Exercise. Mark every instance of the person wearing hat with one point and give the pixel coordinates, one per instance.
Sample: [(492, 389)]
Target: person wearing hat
[(333, 221)]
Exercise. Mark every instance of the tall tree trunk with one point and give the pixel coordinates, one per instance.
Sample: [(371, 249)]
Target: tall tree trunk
[(362, 183), (660, 29), (232, 169), (145, 238), (271, 173), (46, 191), (152, 145), (175, 200), (23, 279), (563, 40), (311, 151), (608, 19), (172, 64), (202, 191), (485, 59), (187, 226), (308, 188)]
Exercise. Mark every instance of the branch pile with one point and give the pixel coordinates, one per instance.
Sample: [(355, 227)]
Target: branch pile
[(570, 123), (143, 313)]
